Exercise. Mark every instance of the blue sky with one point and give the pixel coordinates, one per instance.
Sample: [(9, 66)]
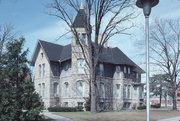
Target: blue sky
[(31, 21)]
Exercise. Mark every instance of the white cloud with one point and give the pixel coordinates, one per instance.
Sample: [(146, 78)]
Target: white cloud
[(49, 33)]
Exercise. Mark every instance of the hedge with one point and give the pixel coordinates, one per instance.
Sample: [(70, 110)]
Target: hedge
[(141, 107), (65, 109), (156, 106)]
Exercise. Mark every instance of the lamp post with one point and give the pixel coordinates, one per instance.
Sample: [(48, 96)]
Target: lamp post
[(146, 5)]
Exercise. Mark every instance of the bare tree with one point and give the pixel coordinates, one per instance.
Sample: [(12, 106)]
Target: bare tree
[(5, 35), (165, 48), (103, 19), (159, 86)]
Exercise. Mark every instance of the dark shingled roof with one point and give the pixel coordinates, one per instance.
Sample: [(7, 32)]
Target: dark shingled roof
[(53, 51), (115, 56), (80, 19), (56, 52), (66, 53)]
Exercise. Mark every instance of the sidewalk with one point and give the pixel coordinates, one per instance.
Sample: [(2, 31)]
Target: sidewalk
[(171, 119), (56, 117)]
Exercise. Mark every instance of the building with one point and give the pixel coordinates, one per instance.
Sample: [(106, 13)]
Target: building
[(165, 102), (61, 76)]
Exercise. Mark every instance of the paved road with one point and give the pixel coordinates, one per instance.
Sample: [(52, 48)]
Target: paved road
[(56, 117), (171, 119)]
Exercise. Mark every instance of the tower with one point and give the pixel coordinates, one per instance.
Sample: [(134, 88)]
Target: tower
[(80, 37)]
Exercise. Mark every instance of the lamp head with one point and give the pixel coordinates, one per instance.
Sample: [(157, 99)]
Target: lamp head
[(146, 5)]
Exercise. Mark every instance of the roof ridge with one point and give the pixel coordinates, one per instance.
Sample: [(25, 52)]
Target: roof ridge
[(52, 43)]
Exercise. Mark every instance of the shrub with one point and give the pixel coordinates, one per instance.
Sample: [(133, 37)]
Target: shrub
[(65, 109), (79, 108), (156, 106), (88, 105), (141, 107)]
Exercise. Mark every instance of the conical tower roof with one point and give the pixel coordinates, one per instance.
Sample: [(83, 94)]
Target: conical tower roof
[(80, 19)]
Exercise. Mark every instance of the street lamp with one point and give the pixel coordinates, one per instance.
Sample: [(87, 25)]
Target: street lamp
[(146, 5)]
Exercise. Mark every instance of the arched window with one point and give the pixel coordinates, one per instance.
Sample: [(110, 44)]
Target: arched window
[(125, 92), (43, 69), (80, 65), (39, 70), (80, 88), (39, 86), (102, 90), (129, 92), (66, 89), (55, 88), (118, 91), (43, 89)]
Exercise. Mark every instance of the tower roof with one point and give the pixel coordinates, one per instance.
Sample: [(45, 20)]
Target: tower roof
[(79, 21)]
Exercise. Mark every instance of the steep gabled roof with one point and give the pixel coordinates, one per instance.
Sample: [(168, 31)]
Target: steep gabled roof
[(115, 56), (80, 19), (52, 50), (66, 53), (56, 53)]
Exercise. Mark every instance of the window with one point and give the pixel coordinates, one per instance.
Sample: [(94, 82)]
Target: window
[(77, 39), (137, 75), (39, 70), (118, 69), (55, 89), (43, 69), (56, 67), (80, 65), (124, 69), (66, 66), (66, 90), (102, 90), (140, 92), (42, 55), (128, 92), (84, 38), (43, 89), (39, 89), (79, 88), (118, 91), (129, 71), (101, 69), (135, 92), (135, 88), (124, 91), (178, 94), (80, 104), (65, 104)]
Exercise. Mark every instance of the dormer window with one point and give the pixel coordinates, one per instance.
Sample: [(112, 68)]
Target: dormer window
[(137, 75), (118, 69), (124, 69), (101, 69), (129, 71), (42, 55)]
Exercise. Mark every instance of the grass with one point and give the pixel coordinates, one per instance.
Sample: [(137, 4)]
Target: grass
[(47, 119), (118, 116)]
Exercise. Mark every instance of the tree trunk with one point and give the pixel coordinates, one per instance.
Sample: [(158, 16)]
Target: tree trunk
[(174, 101), (165, 97), (93, 97), (160, 99)]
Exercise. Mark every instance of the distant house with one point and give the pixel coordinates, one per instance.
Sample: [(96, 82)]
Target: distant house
[(61, 77)]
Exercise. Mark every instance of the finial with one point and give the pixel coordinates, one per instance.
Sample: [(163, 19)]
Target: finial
[(81, 7)]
